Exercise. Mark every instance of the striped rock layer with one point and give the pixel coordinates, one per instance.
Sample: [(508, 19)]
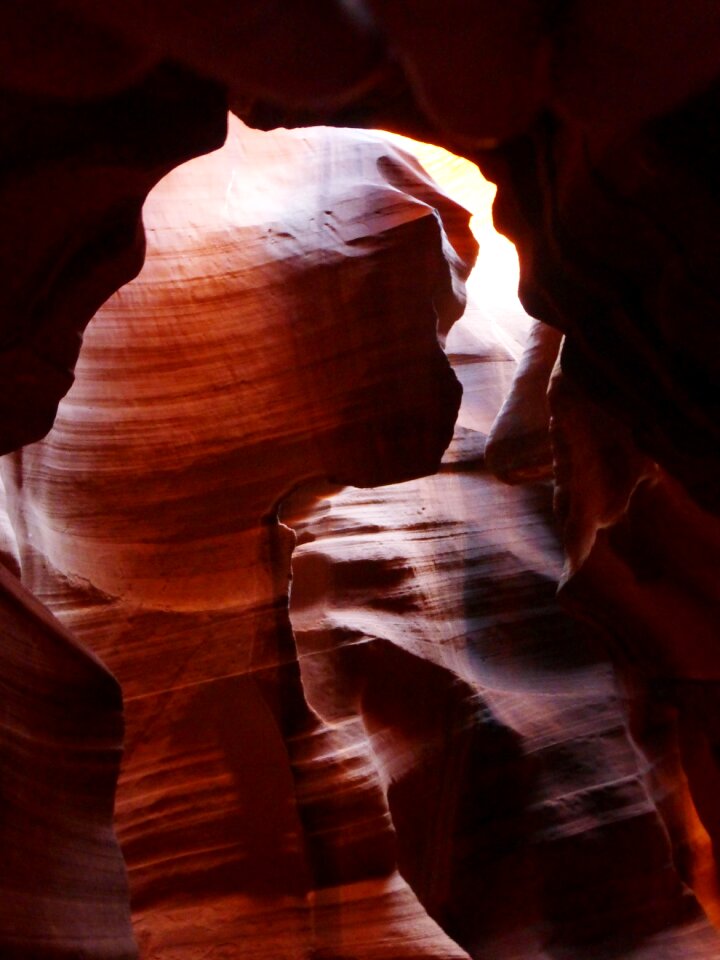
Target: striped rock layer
[(409, 750)]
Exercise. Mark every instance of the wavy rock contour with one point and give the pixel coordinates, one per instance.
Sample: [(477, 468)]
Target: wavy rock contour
[(267, 342)]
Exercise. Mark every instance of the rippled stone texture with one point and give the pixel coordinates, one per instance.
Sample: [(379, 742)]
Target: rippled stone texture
[(527, 820), (599, 124), (600, 130), (284, 328), (437, 762)]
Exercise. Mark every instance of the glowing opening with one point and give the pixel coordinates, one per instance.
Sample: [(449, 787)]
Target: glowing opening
[(493, 284)]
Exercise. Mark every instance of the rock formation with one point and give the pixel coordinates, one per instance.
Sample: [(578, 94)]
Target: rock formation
[(259, 348), (598, 123), (428, 629)]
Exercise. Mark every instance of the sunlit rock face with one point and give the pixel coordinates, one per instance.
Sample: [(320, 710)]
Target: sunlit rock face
[(421, 756), (527, 820), (285, 329), (598, 122), (597, 126)]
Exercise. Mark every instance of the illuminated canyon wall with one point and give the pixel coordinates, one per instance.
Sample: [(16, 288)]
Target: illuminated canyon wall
[(469, 714)]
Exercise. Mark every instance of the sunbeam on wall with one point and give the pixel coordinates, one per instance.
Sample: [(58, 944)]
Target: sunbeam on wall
[(492, 286)]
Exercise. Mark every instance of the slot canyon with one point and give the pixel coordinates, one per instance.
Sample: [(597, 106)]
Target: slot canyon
[(360, 564)]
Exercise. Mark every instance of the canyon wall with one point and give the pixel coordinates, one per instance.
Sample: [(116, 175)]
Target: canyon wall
[(456, 767)]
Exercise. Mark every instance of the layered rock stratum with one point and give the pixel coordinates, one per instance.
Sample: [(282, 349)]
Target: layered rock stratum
[(409, 749), (259, 349), (423, 634)]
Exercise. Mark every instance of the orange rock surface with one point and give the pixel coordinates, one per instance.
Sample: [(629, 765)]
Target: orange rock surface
[(260, 347), (438, 762), (420, 755)]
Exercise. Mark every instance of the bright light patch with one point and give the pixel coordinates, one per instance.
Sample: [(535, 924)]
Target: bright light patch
[(492, 286)]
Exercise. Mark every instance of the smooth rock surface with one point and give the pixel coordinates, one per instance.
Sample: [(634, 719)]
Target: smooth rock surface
[(527, 819), (424, 757), (260, 347), (599, 124)]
